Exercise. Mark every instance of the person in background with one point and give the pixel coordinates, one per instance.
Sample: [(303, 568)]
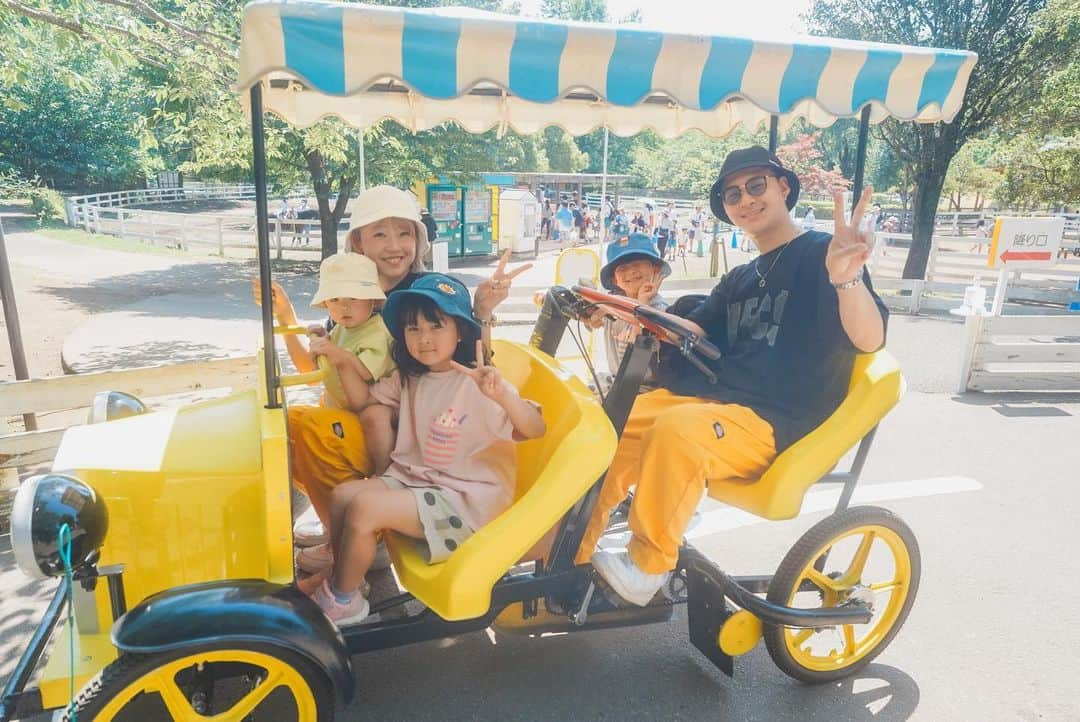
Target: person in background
[(809, 219)]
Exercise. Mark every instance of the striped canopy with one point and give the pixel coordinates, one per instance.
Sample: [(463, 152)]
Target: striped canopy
[(484, 70)]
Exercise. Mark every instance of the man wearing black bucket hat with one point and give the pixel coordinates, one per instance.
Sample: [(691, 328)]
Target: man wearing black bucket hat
[(789, 324)]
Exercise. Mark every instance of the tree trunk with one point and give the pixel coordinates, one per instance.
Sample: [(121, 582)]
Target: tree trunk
[(938, 144), (329, 218)]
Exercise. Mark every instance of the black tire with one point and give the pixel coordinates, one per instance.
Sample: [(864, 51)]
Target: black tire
[(807, 550), (129, 669)]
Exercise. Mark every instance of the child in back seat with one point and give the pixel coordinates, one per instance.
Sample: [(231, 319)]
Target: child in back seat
[(453, 465)]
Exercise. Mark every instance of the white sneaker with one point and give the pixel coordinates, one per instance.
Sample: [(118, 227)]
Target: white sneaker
[(308, 531), (626, 579), (315, 559)]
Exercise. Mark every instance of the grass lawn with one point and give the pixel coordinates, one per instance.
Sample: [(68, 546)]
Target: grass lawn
[(110, 243)]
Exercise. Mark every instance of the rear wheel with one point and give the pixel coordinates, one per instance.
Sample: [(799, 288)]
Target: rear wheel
[(862, 554), (228, 682)]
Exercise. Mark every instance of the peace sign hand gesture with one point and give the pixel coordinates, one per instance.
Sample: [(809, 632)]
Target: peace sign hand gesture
[(850, 247), (493, 291), (487, 378)]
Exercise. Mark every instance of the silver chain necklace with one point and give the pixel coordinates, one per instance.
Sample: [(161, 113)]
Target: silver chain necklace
[(762, 276)]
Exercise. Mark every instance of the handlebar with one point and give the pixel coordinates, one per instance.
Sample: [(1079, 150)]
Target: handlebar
[(325, 374), (582, 300)]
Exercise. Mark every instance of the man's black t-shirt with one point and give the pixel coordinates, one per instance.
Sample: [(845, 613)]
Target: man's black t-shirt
[(786, 354)]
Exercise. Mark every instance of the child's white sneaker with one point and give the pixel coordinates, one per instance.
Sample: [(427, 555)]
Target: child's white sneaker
[(356, 610), (315, 559), (626, 579), (309, 532)]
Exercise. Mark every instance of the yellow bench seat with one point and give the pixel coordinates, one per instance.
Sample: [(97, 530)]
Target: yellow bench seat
[(876, 387), (553, 472)]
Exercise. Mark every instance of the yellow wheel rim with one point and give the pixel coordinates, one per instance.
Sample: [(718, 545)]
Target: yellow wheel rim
[(833, 648), (162, 681)]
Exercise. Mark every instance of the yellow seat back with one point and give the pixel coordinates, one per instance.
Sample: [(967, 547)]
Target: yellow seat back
[(876, 387), (554, 471)]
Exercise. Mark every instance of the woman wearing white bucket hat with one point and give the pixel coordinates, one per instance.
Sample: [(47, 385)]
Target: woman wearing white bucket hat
[(388, 230)]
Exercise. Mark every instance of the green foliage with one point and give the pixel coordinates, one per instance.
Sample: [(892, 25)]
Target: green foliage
[(72, 122), (686, 165), (588, 10), (562, 153), (1019, 49), (45, 203)]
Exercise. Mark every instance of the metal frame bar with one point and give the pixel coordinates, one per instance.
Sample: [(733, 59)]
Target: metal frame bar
[(262, 225), (15, 699), (774, 132), (860, 156)]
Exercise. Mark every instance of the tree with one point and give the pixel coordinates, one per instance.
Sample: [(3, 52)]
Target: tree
[(587, 10), (1035, 174), (186, 52), (1017, 50), (969, 173), (94, 138), (803, 158), (563, 155)]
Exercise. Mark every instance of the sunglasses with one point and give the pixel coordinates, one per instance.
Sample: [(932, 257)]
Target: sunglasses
[(755, 187)]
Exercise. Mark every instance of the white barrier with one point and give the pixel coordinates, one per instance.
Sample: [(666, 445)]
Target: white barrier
[(1021, 353)]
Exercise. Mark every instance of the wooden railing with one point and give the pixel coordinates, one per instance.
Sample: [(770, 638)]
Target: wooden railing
[(24, 448)]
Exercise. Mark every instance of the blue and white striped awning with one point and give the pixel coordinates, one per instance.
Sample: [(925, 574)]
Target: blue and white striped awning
[(483, 70)]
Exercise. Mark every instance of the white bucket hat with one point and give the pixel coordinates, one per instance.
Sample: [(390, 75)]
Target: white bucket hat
[(347, 275), (375, 204)]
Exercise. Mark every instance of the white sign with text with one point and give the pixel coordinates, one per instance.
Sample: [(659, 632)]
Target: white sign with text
[(1025, 242)]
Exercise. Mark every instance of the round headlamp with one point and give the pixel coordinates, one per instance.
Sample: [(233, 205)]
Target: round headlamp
[(43, 504), (112, 405)]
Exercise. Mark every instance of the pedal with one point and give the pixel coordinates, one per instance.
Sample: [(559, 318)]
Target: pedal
[(582, 614)]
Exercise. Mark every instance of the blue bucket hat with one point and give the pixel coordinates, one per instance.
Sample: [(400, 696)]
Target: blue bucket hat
[(630, 248), (449, 294)]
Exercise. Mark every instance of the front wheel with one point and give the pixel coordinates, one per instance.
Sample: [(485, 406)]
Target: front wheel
[(864, 554), (228, 682)]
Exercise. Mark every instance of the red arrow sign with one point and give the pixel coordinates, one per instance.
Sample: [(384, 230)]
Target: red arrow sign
[(1025, 256)]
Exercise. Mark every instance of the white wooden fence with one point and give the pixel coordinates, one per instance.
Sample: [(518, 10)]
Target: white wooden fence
[(77, 392), (184, 230), (953, 265), (1021, 353)]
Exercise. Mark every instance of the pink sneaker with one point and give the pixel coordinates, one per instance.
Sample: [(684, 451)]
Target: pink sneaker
[(340, 614), (315, 559)]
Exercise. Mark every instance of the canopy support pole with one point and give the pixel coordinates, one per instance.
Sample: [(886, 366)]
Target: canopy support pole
[(11, 319), (262, 226), (603, 195), (860, 156), (363, 164), (774, 132)]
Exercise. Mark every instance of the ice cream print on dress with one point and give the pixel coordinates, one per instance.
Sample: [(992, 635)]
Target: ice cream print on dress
[(443, 436)]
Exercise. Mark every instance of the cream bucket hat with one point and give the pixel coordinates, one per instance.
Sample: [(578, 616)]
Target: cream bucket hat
[(347, 275), (379, 202)]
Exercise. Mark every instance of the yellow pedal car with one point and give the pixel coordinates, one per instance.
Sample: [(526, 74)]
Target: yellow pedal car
[(176, 526)]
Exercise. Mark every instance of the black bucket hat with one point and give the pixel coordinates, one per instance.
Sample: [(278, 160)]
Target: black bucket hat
[(753, 157)]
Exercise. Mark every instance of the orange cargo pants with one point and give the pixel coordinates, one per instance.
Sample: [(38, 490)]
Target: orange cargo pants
[(326, 448), (671, 445)]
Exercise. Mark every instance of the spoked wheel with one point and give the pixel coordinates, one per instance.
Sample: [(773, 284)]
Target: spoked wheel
[(228, 683), (862, 554)]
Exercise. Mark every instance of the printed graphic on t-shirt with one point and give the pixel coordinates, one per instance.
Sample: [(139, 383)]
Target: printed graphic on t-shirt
[(754, 319), (443, 437)]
